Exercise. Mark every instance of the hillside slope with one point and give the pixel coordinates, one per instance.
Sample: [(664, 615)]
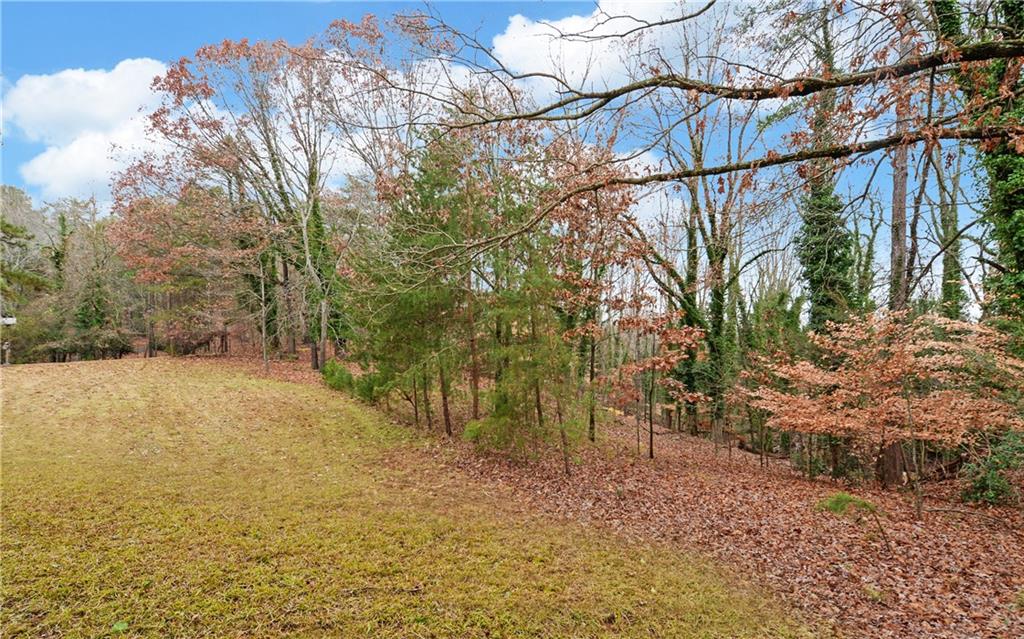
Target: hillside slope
[(180, 498)]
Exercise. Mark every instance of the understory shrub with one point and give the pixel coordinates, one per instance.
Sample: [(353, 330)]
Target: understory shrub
[(337, 376), (985, 479), (368, 387)]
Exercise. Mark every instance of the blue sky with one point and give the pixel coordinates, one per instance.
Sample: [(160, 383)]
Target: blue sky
[(44, 38)]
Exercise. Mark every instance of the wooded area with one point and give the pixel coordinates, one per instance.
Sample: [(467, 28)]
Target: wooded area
[(793, 229)]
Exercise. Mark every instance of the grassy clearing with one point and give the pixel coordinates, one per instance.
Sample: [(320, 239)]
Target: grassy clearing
[(168, 498)]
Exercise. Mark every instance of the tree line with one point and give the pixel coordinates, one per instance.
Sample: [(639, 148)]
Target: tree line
[(526, 258)]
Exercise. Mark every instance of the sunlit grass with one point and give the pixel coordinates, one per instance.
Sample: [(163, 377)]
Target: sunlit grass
[(179, 499)]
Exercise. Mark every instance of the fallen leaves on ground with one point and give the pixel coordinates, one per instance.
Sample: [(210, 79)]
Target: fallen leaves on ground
[(955, 573)]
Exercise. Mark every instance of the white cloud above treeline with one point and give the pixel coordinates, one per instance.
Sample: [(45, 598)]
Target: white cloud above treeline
[(589, 61), (82, 116)]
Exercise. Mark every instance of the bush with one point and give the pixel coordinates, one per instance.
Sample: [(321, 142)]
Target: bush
[(368, 387), (337, 376), (985, 480), (94, 343), (112, 342)]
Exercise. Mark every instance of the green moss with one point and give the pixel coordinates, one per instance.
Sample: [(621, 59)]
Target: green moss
[(166, 498), (840, 503)]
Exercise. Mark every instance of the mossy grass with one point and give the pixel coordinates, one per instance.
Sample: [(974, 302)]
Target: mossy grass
[(840, 503), (161, 498)]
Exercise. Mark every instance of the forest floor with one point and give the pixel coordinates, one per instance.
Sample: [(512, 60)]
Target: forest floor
[(187, 498), (956, 572)]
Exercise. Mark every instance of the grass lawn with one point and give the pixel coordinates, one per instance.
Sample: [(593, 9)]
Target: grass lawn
[(170, 498)]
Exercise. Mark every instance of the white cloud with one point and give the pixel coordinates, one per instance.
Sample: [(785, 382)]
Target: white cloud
[(84, 166), (89, 120), (528, 45), (576, 47), (58, 107)]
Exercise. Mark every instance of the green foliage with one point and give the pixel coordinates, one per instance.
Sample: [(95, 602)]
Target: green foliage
[(58, 252), (404, 325), (825, 247), (98, 342), (420, 322), (841, 503), (369, 387), (336, 376), (16, 280), (810, 464), (773, 324), (947, 14), (93, 309), (826, 253), (37, 325), (1003, 164), (985, 480), (500, 432), (781, 114), (84, 302), (1005, 212)]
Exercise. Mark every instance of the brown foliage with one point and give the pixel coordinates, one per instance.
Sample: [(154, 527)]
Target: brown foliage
[(885, 378)]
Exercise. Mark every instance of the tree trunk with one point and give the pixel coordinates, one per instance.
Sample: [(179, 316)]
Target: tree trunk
[(953, 297), (426, 402), (650, 397), (890, 464), (499, 365), (562, 435), (716, 347), (898, 255), (650, 418), (474, 358), (592, 400), (898, 225), (536, 382), (263, 318), (444, 400), (415, 403), (150, 328), (288, 307), (323, 330)]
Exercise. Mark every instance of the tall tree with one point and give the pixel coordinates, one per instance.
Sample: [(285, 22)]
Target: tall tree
[(824, 245)]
